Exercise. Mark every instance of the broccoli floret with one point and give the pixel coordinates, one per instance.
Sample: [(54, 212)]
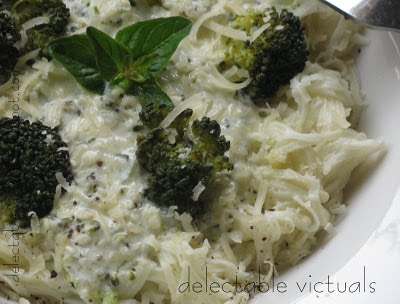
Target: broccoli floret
[(210, 145), (40, 35), (30, 157), (275, 57), (178, 166), (9, 35), (153, 114)]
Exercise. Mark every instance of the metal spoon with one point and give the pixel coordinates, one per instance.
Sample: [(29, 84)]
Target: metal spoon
[(375, 13)]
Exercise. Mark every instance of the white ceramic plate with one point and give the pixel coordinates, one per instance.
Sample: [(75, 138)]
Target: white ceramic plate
[(373, 196)]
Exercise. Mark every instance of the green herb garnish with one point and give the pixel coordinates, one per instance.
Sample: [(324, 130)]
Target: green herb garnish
[(132, 60)]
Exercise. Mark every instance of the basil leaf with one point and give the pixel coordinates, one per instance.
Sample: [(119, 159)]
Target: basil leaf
[(150, 91), (140, 70), (110, 56), (76, 54), (158, 36)]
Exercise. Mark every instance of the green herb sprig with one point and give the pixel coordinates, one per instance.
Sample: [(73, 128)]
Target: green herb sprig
[(132, 60)]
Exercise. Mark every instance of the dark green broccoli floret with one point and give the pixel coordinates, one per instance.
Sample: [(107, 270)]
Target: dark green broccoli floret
[(9, 35), (210, 145), (30, 157), (178, 166), (40, 35), (153, 114), (275, 57)]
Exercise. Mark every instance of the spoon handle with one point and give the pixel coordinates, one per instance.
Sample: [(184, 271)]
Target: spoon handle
[(375, 13)]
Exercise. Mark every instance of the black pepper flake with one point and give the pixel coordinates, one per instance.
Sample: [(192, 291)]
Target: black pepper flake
[(264, 238), (78, 228), (114, 282), (251, 227), (53, 274), (30, 62), (262, 210), (75, 203), (272, 209), (99, 163), (70, 232)]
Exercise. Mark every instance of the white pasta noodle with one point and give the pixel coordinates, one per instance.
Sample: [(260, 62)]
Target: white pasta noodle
[(199, 22), (35, 22), (227, 31), (23, 59), (292, 161), (258, 32), (213, 77)]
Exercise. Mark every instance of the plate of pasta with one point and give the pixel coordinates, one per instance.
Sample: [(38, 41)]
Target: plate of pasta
[(206, 151)]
